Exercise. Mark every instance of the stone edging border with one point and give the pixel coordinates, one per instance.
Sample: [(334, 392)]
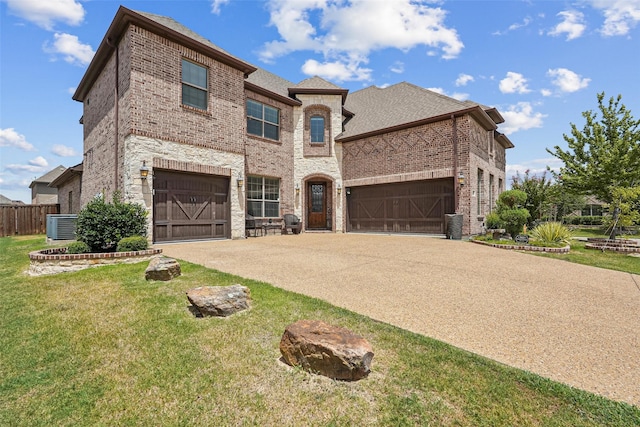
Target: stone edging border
[(563, 250), (53, 261)]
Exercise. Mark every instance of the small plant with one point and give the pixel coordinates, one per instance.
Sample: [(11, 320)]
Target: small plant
[(493, 221), (551, 233), (133, 243), (78, 248)]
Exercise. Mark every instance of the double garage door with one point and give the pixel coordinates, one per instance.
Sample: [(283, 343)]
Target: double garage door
[(408, 207), (190, 206)]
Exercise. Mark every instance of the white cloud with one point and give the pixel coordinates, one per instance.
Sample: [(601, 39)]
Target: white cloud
[(567, 80), (546, 92), (397, 67), (216, 5), (463, 79), (514, 83), (347, 32), (620, 16), (572, 25), (71, 49), (38, 164), (337, 71), (72, 90), (63, 151), (10, 138), (45, 13), (525, 22), (520, 117)]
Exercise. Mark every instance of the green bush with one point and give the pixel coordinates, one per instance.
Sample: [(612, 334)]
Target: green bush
[(102, 225), (78, 248), (551, 233), (132, 243), (493, 221), (583, 220), (509, 208)]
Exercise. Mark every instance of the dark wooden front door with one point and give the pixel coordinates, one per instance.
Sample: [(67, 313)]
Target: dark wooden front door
[(408, 207), (190, 207), (317, 205)]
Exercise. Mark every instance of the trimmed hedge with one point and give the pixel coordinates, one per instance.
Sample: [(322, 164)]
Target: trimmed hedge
[(582, 220), (132, 243)]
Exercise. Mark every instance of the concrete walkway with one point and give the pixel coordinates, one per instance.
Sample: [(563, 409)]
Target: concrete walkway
[(575, 324)]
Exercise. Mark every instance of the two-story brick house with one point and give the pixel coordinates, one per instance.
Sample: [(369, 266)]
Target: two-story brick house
[(222, 138)]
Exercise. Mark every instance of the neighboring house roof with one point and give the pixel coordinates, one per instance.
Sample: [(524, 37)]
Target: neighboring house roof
[(7, 201), (48, 177), (68, 174), (166, 26), (377, 110)]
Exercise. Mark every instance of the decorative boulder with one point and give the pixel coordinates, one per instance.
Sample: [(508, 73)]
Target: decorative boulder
[(327, 350), (220, 301), (162, 268)]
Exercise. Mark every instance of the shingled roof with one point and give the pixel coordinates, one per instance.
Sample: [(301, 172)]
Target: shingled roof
[(403, 105), (261, 80), (49, 176)]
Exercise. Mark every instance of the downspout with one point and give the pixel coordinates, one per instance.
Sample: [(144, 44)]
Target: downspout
[(116, 113), (456, 191)]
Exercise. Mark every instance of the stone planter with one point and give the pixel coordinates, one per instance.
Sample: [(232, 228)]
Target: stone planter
[(517, 247), (53, 261)]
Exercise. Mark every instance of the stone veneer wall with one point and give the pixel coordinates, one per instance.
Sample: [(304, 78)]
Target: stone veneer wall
[(326, 167), (181, 158)]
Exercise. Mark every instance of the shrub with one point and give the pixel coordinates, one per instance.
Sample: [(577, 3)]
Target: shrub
[(583, 220), (509, 208), (102, 225), (78, 248), (551, 233), (132, 243), (493, 221)]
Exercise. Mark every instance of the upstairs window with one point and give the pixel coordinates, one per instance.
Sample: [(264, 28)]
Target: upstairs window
[(194, 85), (263, 120), (317, 129)]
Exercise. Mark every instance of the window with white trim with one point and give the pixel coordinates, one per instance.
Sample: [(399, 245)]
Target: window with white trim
[(263, 196), (194, 85), (263, 120), (480, 190)]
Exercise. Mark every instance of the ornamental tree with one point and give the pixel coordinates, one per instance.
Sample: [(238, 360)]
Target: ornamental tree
[(604, 155)]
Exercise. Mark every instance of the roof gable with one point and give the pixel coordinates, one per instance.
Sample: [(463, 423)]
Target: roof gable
[(49, 176)]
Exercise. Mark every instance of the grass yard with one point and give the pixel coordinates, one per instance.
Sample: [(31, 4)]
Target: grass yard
[(105, 347)]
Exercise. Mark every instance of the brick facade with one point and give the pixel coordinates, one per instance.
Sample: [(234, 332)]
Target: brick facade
[(154, 127)]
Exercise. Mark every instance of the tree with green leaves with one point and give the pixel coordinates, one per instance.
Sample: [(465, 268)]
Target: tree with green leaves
[(604, 155), (538, 190), (626, 209), (509, 208)]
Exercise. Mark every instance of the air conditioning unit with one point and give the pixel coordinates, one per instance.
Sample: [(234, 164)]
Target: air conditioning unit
[(61, 226)]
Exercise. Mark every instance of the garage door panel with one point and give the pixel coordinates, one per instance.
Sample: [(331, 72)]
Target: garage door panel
[(411, 207), (190, 206)]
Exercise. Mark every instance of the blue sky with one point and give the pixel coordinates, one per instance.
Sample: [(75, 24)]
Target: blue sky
[(541, 63)]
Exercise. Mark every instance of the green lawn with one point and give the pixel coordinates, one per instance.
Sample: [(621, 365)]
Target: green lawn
[(105, 347)]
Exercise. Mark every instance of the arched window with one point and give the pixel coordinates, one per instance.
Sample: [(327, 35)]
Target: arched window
[(317, 129)]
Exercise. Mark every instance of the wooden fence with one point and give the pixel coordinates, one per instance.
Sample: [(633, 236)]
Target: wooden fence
[(25, 219)]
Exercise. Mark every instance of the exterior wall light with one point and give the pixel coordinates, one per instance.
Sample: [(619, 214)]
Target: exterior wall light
[(339, 189), (461, 178), (144, 170), (297, 189), (240, 181)]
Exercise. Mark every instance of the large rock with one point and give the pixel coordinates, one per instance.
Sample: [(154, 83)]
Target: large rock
[(162, 268), (327, 350), (220, 301)]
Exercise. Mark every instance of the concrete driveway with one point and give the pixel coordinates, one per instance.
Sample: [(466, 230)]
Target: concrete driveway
[(575, 324)]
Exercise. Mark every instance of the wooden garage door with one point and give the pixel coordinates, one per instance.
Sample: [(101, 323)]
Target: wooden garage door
[(190, 207), (409, 207)]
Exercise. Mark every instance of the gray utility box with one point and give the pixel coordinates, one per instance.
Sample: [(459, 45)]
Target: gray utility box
[(61, 226)]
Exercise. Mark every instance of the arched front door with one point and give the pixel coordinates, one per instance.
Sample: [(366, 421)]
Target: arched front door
[(317, 205)]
